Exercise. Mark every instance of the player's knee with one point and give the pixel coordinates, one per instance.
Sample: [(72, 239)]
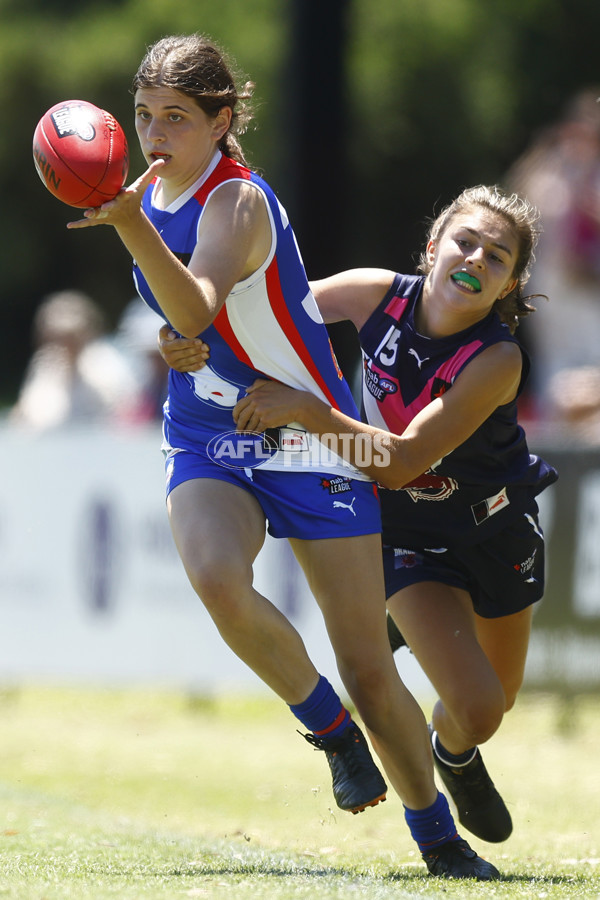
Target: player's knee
[(480, 717), (219, 588)]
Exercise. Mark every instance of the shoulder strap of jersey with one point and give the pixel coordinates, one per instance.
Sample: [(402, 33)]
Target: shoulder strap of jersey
[(226, 170)]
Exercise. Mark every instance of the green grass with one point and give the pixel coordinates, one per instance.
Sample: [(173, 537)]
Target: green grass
[(145, 795)]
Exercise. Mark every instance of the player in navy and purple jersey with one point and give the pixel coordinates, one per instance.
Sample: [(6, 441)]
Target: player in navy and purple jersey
[(456, 502), (215, 255), (463, 549)]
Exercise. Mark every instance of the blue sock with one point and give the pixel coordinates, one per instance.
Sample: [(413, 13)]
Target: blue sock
[(432, 826), (323, 712)]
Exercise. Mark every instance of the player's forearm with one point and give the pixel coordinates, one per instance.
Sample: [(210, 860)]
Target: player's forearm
[(375, 452), (179, 294)]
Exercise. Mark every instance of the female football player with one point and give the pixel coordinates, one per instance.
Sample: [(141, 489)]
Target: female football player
[(215, 255), (463, 549)]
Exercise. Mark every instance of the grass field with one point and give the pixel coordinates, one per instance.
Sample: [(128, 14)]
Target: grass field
[(140, 794)]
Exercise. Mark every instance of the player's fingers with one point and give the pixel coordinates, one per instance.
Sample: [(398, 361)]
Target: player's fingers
[(165, 340), (94, 215), (251, 423), (256, 385), (185, 361), (98, 213), (141, 183), (183, 354), (166, 333), (193, 358), (84, 223), (242, 413)]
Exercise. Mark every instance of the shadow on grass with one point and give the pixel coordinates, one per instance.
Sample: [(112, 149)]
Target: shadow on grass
[(213, 863), (542, 880), (291, 870)]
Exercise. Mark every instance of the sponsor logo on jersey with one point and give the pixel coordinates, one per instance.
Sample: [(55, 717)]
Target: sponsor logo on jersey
[(524, 568), (406, 559), (439, 387), (413, 352), (379, 385), (430, 486), (490, 506), (337, 485), (339, 504), (293, 440)]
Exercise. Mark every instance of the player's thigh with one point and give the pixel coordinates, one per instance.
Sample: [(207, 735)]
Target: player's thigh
[(217, 526), (346, 577), (505, 641), (438, 623)]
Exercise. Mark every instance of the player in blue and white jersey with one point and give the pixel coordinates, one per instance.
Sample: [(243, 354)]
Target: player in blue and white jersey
[(215, 256), (463, 549)]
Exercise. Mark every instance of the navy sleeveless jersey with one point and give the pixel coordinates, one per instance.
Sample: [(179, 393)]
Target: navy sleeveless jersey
[(484, 483), (269, 327)]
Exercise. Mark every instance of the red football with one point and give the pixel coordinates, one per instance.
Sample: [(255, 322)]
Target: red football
[(80, 153)]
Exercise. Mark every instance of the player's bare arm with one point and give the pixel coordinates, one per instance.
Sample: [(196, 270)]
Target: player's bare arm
[(352, 295), (234, 237), (489, 381), (349, 295)]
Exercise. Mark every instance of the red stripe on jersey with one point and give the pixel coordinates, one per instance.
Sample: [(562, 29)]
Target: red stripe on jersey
[(223, 326), (288, 326), (226, 170)]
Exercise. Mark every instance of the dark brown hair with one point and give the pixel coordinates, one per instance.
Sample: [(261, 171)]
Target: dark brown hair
[(522, 217), (198, 68)]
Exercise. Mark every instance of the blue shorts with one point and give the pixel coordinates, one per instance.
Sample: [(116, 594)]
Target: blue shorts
[(306, 504), (503, 575)]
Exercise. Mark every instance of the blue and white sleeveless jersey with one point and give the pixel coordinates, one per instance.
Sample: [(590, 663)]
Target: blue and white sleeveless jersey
[(484, 483), (269, 327)]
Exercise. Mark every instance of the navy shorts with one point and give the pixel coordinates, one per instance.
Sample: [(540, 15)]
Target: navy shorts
[(302, 504), (503, 575)]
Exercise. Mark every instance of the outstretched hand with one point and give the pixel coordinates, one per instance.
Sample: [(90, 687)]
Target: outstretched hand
[(124, 207), (267, 404), (182, 354)]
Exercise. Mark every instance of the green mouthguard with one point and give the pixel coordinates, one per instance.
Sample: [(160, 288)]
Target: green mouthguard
[(467, 279)]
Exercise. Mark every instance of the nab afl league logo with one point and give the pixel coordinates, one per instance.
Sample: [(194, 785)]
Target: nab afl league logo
[(72, 120), (430, 486)]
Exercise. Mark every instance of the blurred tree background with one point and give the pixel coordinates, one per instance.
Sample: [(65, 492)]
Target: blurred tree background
[(370, 114)]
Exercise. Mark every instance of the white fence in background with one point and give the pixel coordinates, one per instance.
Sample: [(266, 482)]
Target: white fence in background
[(91, 587), (92, 590)]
